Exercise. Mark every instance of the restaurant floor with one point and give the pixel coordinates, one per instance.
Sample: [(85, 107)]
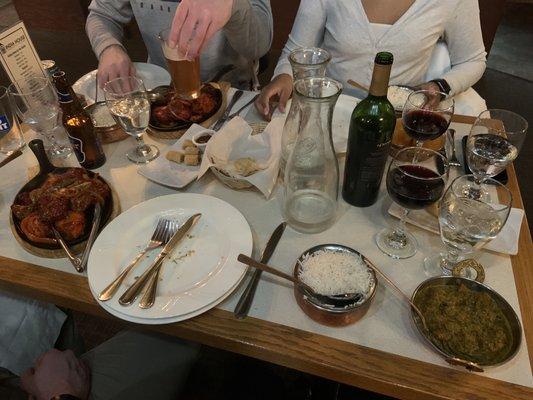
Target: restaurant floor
[(60, 36)]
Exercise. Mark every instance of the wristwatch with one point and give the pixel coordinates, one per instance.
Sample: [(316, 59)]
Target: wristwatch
[(65, 397), (444, 87)]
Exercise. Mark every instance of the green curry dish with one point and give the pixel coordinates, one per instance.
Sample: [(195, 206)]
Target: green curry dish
[(465, 323)]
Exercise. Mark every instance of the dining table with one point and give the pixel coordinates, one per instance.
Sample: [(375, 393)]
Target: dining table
[(382, 352)]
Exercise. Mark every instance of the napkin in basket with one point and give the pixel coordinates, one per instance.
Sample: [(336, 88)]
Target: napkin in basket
[(506, 242), (235, 141)]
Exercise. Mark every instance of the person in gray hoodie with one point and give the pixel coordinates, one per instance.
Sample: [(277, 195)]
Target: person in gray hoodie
[(221, 32)]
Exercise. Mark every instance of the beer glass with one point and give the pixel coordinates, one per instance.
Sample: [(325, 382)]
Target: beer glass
[(35, 102), (128, 103), (185, 74), (10, 135)]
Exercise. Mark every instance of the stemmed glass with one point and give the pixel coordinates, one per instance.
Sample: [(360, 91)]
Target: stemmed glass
[(35, 102), (427, 114), (494, 141), (128, 102), (414, 183), (467, 223)]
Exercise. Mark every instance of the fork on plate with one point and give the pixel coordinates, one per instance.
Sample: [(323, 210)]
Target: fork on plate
[(160, 236)]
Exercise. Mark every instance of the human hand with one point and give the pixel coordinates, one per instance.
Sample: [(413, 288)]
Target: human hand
[(56, 373), (280, 89), (114, 63), (195, 22), (435, 95)]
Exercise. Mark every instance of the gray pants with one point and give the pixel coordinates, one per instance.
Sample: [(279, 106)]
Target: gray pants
[(132, 365)]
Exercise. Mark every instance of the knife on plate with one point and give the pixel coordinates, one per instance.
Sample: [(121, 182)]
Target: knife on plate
[(133, 291), (247, 297)]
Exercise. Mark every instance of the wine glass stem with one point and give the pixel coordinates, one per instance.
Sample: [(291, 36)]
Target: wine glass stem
[(142, 148), (398, 236), (450, 258)]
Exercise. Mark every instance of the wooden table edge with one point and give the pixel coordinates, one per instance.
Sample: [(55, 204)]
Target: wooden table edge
[(330, 358)]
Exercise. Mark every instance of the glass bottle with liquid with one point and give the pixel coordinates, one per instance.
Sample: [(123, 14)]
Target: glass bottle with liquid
[(371, 128), (306, 62), (312, 173), (78, 124)]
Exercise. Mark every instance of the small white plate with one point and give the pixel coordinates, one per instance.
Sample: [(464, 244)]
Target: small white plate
[(169, 173), (152, 76), (200, 271)]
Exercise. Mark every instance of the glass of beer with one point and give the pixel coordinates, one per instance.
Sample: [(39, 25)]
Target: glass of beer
[(185, 73)]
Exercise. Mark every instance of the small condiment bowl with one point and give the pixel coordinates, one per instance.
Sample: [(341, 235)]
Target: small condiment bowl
[(328, 314), (199, 140), (107, 129)]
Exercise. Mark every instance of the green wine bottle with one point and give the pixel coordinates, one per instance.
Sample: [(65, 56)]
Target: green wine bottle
[(371, 128)]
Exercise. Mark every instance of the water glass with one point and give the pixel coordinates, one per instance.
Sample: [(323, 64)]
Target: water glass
[(35, 102), (467, 223), (10, 134), (494, 141), (128, 103)]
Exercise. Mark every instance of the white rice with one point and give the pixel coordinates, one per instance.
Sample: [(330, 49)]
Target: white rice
[(332, 272), (398, 96)]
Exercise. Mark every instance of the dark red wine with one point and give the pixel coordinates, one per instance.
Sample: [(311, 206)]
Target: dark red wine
[(414, 186), (424, 125)]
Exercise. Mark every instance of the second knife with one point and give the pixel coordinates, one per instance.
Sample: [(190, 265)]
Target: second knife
[(247, 297)]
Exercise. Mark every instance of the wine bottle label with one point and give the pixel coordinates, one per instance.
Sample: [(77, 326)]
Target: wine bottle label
[(64, 97), (374, 163), (77, 145)]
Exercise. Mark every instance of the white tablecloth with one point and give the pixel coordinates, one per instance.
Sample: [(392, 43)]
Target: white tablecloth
[(386, 326)]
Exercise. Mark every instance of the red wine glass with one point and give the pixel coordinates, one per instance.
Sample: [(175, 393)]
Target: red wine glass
[(413, 183), (427, 114)]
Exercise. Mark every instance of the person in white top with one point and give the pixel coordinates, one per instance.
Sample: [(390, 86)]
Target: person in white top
[(353, 31)]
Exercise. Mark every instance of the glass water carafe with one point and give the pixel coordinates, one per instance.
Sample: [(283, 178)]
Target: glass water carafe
[(312, 172), (306, 62)]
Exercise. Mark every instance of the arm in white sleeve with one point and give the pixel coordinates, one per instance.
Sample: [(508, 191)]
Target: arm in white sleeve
[(250, 28), (307, 31), (465, 44), (105, 23)]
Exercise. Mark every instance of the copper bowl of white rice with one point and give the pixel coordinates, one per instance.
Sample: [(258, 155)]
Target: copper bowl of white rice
[(332, 269)]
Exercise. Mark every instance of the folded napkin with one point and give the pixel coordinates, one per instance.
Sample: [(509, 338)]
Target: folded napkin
[(506, 242), (28, 329), (235, 141)]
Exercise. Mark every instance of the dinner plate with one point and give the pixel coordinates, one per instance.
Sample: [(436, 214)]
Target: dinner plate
[(151, 74), (198, 273)]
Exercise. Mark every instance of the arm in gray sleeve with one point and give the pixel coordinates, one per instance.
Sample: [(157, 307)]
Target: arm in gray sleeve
[(249, 29), (307, 31), (105, 21), (465, 43)]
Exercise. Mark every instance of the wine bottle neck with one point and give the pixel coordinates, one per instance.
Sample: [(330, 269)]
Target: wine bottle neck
[(380, 80)]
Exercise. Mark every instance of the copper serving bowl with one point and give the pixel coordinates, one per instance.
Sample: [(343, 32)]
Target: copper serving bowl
[(328, 314), (509, 313)]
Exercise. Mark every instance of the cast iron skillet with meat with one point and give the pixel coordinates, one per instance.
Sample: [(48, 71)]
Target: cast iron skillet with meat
[(62, 197), (172, 113)]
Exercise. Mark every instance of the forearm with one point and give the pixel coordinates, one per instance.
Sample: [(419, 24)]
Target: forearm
[(104, 23), (465, 75), (249, 30)]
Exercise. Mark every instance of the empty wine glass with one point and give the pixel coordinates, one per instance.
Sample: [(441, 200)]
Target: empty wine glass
[(128, 102), (427, 114), (414, 182), (35, 102), (467, 223), (494, 141)]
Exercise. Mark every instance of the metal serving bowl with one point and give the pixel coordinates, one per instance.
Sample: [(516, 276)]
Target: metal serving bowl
[(508, 312), (328, 314)]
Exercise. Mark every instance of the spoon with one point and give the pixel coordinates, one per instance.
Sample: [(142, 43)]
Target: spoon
[(391, 283), (338, 300)]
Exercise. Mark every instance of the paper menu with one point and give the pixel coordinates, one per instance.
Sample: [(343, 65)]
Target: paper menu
[(18, 55)]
